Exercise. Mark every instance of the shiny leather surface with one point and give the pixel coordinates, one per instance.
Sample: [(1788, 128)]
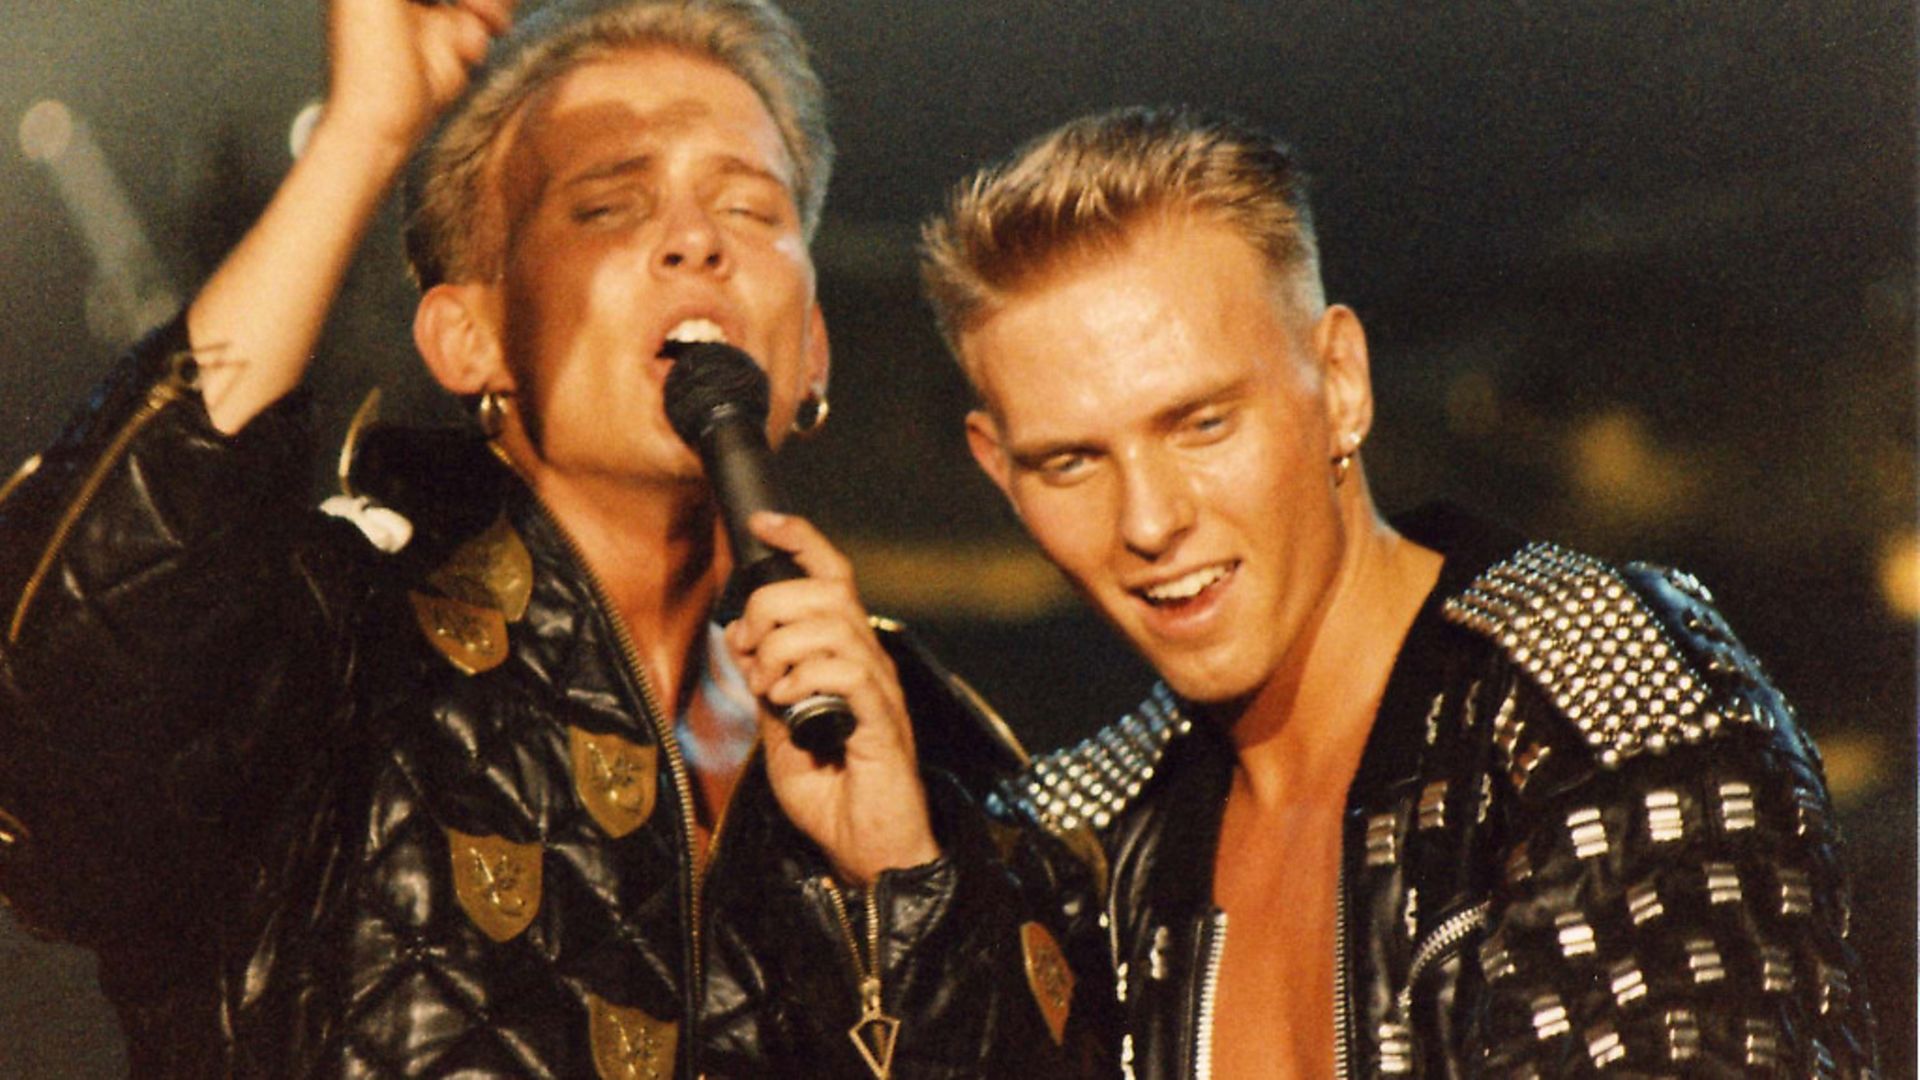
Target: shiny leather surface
[(305, 843), (1681, 912)]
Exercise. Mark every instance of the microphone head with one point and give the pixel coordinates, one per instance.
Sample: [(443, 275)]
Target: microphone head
[(711, 379)]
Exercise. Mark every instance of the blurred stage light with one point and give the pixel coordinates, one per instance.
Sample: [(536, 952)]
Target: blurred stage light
[(46, 130), (1620, 472), (301, 130), (1900, 574)]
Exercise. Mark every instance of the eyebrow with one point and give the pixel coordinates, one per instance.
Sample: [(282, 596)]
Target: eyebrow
[(731, 165), (1032, 454)]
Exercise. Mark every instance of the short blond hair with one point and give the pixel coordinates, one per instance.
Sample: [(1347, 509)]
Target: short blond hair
[(449, 236), (1086, 186)]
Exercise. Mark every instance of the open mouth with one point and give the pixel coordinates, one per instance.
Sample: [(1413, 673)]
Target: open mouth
[(1188, 588), (691, 332)]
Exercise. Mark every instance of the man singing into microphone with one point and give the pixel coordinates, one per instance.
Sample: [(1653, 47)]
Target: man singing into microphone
[(460, 780), (1414, 797)]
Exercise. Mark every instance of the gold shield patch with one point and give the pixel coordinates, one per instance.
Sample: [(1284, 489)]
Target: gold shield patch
[(492, 570), (473, 638), (1048, 977), (628, 1044), (615, 779), (497, 881)]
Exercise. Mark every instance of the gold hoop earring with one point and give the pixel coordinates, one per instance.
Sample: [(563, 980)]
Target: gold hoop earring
[(811, 416), (490, 412)]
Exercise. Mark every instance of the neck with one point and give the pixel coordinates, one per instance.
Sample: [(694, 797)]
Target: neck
[(656, 553), (1300, 737)]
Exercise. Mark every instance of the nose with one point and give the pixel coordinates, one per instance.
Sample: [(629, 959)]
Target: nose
[(690, 243), (1156, 505)]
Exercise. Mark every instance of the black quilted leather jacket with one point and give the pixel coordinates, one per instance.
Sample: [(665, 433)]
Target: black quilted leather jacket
[(324, 811), (1586, 836)]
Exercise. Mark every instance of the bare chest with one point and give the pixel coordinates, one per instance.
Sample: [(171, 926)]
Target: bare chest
[(1274, 1010)]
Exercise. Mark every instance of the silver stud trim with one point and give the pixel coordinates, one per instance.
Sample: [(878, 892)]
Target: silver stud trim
[(1433, 805), (1736, 806), (1596, 649), (1665, 822), (1762, 1045), (1796, 892), (1703, 959), (1643, 903), (1549, 1017), (1575, 934), (1604, 1045), (1588, 832), (1683, 1034), (1396, 1048), (1495, 960), (1723, 883), (1383, 839), (1627, 982), (1091, 783), (1776, 969)]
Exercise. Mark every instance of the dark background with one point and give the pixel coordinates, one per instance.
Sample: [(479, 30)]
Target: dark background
[(1638, 276)]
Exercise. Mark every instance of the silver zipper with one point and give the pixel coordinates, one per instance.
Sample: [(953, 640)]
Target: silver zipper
[(657, 719), (1213, 945), (1443, 938), (171, 387), (1340, 1018)]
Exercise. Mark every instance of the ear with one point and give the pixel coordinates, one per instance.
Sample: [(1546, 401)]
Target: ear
[(1341, 345), (456, 332), (983, 438)]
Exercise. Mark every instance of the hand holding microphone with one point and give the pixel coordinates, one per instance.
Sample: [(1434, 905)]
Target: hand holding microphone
[(717, 401)]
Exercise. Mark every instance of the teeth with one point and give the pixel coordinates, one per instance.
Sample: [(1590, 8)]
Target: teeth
[(696, 330), (1188, 586)]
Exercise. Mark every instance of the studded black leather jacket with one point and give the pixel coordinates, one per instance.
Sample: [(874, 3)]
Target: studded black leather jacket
[(1586, 836), (327, 811)]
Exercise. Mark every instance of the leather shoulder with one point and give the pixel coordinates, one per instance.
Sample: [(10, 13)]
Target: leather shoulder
[(1635, 657), (954, 727), (1090, 783)]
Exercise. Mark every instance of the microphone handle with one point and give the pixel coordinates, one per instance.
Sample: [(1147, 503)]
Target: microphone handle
[(735, 453)]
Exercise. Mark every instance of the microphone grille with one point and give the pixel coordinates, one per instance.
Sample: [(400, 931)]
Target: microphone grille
[(707, 379)]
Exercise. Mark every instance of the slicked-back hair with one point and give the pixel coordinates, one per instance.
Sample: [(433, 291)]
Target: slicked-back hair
[(1086, 187), (454, 230)]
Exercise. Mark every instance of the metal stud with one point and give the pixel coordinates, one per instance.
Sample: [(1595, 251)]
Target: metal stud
[(1664, 820), (1588, 832), (1643, 903), (1604, 1045), (1704, 961), (1433, 805), (1549, 1017), (1575, 934), (1627, 982), (1723, 883), (1683, 1034)]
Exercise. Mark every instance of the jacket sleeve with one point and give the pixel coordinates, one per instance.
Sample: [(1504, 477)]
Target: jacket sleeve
[(1681, 908), (162, 648)]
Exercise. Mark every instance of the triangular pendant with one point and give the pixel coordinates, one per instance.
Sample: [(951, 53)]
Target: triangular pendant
[(875, 1035)]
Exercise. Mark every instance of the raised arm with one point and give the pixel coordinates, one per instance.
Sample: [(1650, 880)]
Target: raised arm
[(395, 64)]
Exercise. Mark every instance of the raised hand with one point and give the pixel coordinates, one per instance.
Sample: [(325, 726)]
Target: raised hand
[(809, 636), (396, 64)]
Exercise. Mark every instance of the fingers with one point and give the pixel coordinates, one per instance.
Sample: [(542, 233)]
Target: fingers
[(797, 536), (497, 15)]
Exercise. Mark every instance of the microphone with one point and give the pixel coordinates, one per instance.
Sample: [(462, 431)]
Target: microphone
[(717, 400)]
